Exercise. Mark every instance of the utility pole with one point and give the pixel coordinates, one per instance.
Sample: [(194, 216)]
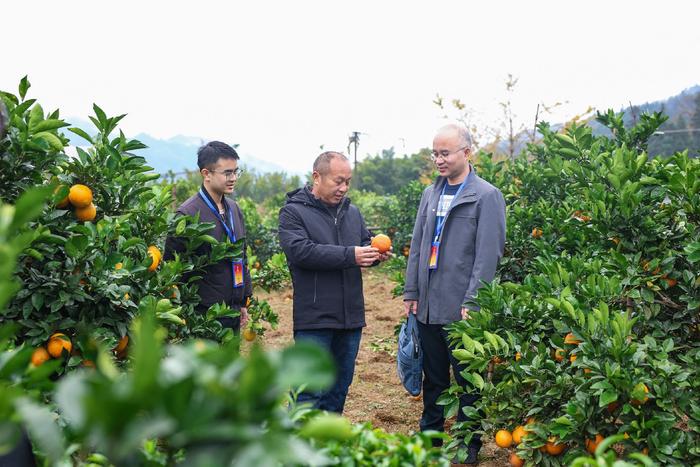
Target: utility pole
[(354, 140)]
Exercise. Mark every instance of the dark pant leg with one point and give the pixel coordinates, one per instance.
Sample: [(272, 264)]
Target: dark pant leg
[(346, 343), (436, 375), (324, 339), (465, 400)]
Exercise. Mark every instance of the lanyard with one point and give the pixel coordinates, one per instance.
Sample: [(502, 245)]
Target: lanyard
[(229, 231), (441, 221), (237, 266)]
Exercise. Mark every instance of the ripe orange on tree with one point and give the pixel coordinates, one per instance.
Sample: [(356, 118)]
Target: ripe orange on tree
[(249, 334), (121, 345), (559, 355), (640, 387), (80, 196), (87, 213), (536, 232), (515, 460), (553, 448), (504, 439), (39, 356), (571, 339), (518, 434), (381, 242), (156, 256), (592, 444), (57, 343)]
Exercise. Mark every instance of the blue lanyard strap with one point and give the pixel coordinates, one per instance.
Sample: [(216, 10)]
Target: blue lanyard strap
[(441, 221), (229, 231)]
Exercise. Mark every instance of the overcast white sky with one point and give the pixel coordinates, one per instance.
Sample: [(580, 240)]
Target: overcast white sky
[(282, 78)]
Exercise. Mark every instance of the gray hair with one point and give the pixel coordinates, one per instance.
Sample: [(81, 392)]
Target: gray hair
[(462, 132), (323, 161)]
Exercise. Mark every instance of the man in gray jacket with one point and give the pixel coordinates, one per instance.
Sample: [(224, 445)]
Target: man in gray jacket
[(458, 239)]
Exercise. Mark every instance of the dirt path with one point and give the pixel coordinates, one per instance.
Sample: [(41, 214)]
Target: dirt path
[(376, 395)]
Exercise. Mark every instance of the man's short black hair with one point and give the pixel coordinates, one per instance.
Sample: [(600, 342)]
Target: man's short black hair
[(210, 153)]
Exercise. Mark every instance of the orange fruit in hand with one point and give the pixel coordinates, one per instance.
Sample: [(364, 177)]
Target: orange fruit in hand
[(88, 213), (553, 448), (592, 444), (156, 256), (381, 242), (39, 356), (58, 342), (80, 196), (518, 434), (504, 439), (516, 461)]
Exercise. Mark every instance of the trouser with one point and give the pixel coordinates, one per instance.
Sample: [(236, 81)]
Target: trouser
[(343, 345), (437, 360)]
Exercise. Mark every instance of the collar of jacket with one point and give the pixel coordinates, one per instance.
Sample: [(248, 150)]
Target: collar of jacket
[(467, 194), (305, 196), (209, 196)]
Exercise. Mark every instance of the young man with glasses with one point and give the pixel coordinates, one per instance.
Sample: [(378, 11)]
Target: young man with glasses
[(458, 239), (229, 280), (326, 243)]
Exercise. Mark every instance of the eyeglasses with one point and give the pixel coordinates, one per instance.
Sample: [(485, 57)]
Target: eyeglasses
[(444, 153), (228, 173)]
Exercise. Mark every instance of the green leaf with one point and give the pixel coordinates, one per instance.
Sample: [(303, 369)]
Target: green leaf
[(307, 364), (54, 141), (83, 134), (29, 206), (48, 125), (607, 397), (24, 86)]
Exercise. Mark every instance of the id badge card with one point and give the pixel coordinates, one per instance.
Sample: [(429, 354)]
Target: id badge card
[(434, 252), (237, 273)]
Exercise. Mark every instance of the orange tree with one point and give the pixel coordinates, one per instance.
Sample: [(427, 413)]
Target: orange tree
[(99, 243), (593, 328)]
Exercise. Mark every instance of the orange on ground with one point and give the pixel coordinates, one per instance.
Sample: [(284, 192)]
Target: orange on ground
[(553, 448), (516, 461), (249, 334), (80, 196), (87, 213), (156, 256), (504, 439), (381, 242), (592, 444), (571, 339), (518, 434), (58, 342), (39, 356)]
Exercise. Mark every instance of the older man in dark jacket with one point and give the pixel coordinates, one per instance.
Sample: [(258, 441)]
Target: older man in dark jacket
[(458, 239), (325, 240)]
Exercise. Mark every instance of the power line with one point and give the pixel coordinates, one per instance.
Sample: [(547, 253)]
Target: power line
[(687, 130)]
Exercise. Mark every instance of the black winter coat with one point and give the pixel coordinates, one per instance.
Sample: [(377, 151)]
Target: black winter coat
[(320, 253)]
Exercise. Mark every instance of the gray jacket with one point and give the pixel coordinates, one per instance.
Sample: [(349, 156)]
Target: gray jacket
[(471, 245)]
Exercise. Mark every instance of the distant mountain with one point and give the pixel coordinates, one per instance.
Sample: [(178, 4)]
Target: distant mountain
[(680, 109), (176, 154)]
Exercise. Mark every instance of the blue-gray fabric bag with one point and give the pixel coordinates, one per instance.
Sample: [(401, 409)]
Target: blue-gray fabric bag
[(409, 358)]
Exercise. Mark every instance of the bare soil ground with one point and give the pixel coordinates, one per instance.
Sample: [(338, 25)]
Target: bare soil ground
[(376, 394)]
